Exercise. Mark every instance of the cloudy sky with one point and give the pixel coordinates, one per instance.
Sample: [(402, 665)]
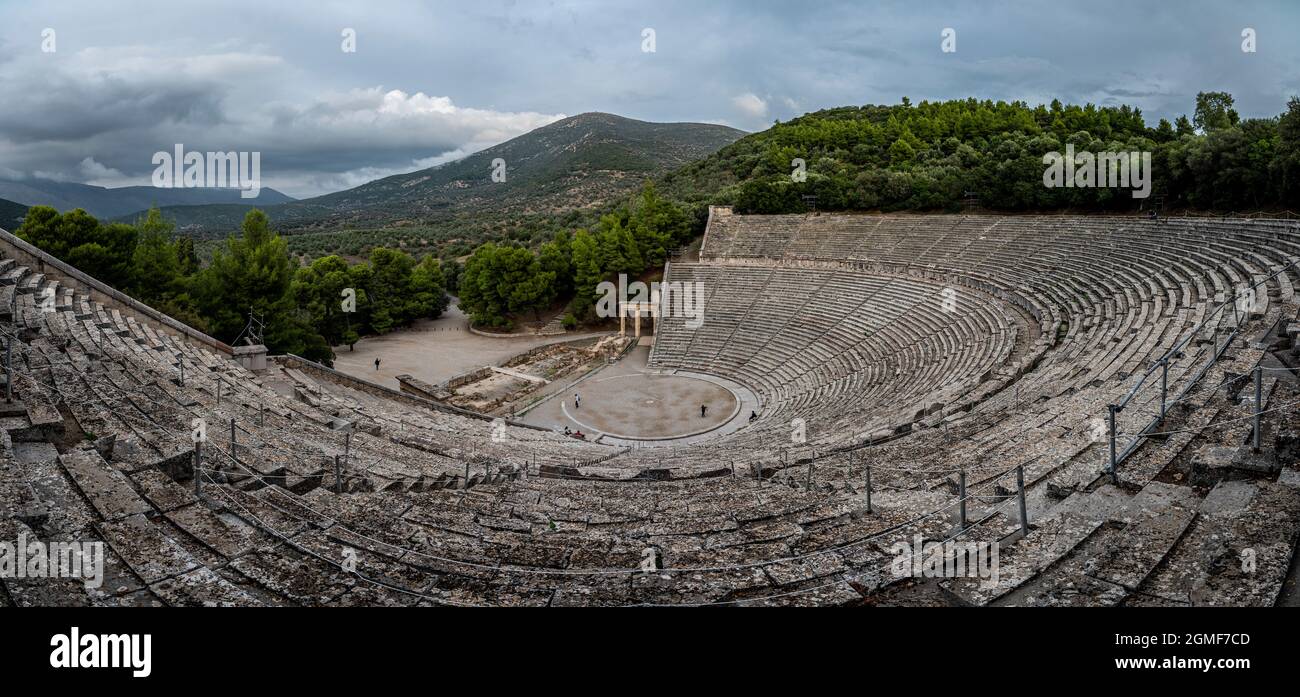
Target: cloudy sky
[(433, 81)]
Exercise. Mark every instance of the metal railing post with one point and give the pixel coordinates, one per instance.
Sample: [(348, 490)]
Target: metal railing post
[(868, 469), (1020, 492), (9, 370), (338, 476), (1113, 477), (961, 494), (1259, 403), (1164, 386), (198, 469)]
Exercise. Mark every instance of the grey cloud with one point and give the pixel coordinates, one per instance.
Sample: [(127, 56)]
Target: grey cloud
[(135, 76)]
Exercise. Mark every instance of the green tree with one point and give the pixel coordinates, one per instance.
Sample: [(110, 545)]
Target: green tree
[(252, 275), (556, 258), (186, 257), (428, 288), (58, 233), (451, 269), (657, 225), (1286, 161), (390, 289), (103, 251), (321, 289), (480, 295), (587, 274), (155, 263), (1214, 111)]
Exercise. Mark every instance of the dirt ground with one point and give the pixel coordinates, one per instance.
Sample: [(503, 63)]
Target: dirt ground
[(625, 400), (434, 350)]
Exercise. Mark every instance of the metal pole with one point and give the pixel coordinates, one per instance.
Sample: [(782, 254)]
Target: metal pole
[(961, 493), (487, 470), (198, 467), (1259, 402), (182, 363), (233, 455), (466, 474), (868, 469), (1164, 386), (9, 371), (338, 475), (1020, 487), (1113, 478), (261, 414)]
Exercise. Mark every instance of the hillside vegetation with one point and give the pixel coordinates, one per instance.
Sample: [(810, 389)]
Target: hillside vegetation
[(930, 156), (552, 175), (303, 310), (11, 214)]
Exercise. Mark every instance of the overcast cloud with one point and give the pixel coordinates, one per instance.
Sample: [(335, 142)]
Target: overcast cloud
[(431, 81)]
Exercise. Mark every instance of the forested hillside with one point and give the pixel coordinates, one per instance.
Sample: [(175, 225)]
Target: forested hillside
[(11, 214), (930, 156)]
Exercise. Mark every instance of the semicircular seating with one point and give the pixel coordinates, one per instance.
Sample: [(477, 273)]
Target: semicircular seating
[(916, 352)]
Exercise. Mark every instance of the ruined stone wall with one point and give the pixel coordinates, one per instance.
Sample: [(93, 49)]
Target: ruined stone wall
[(320, 372)]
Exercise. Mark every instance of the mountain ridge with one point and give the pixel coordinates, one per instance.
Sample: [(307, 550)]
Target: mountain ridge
[(581, 161), (124, 201)]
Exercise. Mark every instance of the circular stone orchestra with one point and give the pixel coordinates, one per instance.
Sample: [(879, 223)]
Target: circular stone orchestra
[(650, 406)]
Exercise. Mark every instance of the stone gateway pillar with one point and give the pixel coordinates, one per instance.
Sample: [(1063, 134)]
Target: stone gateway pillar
[(251, 357), (637, 310)]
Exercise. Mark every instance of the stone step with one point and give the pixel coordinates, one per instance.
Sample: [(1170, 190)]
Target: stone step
[(107, 490), (1236, 552)]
